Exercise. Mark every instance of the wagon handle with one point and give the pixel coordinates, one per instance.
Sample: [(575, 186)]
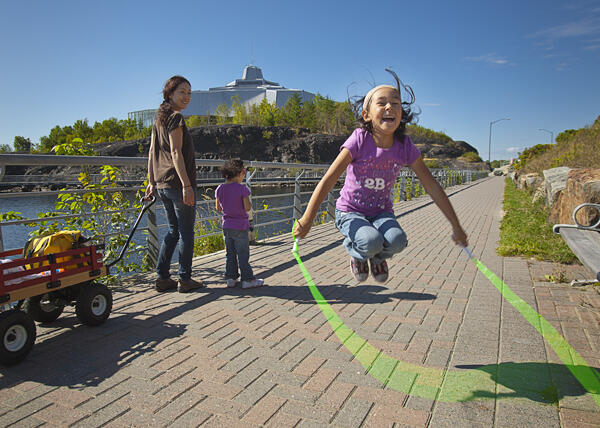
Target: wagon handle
[(146, 202)]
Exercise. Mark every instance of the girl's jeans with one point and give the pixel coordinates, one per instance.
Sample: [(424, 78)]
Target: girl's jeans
[(377, 238), (180, 218), (237, 246)]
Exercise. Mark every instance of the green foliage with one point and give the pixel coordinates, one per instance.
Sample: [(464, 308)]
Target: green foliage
[(106, 131), (432, 163), (22, 144), (428, 134), (524, 231), (498, 163), (574, 148), (267, 135), (222, 114), (566, 136), (5, 148), (471, 157), (75, 148), (193, 121), (530, 153), (11, 215), (207, 244), (108, 208)]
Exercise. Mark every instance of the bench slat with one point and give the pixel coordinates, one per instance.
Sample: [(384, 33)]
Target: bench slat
[(585, 245)]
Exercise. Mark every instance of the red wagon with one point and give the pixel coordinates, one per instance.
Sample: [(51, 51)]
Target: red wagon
[(29, 293)]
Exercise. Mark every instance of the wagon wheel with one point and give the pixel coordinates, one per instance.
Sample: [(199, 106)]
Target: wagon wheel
[(17, 335), (94, 303), (43, 308)]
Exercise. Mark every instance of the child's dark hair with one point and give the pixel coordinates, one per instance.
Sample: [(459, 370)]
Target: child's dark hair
[(232, 168), (408, 115)]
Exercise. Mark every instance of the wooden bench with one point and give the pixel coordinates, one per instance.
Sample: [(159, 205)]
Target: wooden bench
[(584, 241)]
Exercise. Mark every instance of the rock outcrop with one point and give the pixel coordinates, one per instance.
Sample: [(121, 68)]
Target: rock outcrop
[(581, 186)]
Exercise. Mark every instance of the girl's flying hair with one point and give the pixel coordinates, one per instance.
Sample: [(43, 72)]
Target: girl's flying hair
[(232, 168), (358, 104)]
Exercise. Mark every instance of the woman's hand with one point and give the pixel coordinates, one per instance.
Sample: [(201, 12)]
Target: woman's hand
[(302, 228), (149, 191), (188, 196), (460, 237)]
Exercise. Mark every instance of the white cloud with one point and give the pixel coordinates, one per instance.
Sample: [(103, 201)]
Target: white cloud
[(584, 27), (514, 149), (490, 58)]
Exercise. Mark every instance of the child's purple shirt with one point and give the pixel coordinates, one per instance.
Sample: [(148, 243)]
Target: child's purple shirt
[(231, 197), (371, 175)]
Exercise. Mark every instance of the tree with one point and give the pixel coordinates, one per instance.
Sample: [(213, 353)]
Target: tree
[(268, 113), (193, 121), (22, 144), (240, 114), (222, 114), (5, 148)]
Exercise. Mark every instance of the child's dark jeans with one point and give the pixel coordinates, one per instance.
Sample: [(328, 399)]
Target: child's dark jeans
[(237, 245)]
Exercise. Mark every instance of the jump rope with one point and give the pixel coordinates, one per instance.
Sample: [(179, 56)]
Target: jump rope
[(447, 385)]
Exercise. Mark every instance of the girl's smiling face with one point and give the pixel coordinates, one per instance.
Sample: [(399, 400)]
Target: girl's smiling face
[(384, 111), (180, 98)]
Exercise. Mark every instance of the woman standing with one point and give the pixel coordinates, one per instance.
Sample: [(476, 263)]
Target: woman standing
[(172, 174)]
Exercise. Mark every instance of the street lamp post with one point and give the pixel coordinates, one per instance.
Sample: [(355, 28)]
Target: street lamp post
[(551, 135), (490, 141)]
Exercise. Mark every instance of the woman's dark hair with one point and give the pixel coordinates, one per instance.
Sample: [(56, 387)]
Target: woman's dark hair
[(232, 168), (165, 110), (356, 105)]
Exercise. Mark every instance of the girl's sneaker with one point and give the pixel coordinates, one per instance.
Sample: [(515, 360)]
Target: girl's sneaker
[(379, 271), (359, 269), (231, 283), (253, 283)]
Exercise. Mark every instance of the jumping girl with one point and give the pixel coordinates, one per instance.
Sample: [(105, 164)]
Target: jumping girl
[(372, 157)]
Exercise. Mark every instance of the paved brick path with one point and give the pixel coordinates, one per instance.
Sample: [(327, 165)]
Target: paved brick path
[(231, 357)]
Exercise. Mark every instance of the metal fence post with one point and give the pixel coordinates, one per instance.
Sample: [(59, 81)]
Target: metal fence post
[(251, 234), (402, 187), (297, 196), (331, 206), (1, 240), (152, 238)]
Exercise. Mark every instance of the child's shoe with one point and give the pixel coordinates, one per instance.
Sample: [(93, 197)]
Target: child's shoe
[(379, 271), (253, 283), (231, 283), (359, 269)]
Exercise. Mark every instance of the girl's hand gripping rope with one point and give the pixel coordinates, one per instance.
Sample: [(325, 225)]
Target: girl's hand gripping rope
[(301, 229)]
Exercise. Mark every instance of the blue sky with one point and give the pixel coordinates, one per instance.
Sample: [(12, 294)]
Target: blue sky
[(469, 62)]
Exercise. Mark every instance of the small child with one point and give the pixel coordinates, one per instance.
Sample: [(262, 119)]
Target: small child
[(372, 157), (232, 199)]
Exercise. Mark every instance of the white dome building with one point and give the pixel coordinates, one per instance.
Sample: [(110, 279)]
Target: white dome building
[(251, 89)]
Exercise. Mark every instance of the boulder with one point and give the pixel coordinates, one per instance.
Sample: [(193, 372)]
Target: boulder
[(555, 180), (528, 181), (581, 186)]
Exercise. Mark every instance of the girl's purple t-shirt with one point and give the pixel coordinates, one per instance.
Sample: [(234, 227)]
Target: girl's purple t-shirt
[(231, 197), (371, 175)]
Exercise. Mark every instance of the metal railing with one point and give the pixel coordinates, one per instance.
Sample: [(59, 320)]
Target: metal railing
[(260, 174)]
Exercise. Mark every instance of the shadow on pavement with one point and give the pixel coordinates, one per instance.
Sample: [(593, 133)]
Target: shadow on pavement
[(536, 381)]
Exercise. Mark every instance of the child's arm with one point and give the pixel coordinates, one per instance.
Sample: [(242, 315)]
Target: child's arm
[(247, 204), (218, 205), (331, 177), (441, 199)]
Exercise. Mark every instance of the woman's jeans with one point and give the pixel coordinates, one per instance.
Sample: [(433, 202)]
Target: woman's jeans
[(180, 218), (378, 237), (237, 246)]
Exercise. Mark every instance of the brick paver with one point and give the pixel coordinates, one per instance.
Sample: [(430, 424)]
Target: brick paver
[(268, 357)]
